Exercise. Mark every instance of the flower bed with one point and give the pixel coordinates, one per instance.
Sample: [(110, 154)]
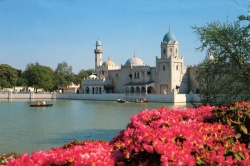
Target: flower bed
[(156, 137)]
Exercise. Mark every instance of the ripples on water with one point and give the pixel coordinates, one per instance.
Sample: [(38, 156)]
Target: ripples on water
[(27, 129)]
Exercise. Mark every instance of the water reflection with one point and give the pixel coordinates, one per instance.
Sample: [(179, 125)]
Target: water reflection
[(27, 129)]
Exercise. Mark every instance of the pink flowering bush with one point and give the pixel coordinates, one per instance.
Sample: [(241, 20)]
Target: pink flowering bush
[(87, 153), (156, 137), (179, 137)]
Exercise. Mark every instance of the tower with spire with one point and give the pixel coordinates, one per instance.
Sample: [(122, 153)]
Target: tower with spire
[(98, 54), (169, 67), (169, 46)]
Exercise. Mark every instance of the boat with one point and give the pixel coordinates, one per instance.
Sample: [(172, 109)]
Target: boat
[(41, 105), (119, 100), (141, 100)]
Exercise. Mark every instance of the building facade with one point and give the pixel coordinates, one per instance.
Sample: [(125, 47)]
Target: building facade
[(136, 77)]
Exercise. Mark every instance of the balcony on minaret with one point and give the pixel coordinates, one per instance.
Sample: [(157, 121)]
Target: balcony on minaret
[(98, 51)]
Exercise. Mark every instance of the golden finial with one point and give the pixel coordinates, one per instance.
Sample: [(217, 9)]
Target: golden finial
[(134, 54)]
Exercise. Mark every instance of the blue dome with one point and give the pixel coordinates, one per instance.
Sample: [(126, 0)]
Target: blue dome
[(134, 61), (169, 37), (98, 43)]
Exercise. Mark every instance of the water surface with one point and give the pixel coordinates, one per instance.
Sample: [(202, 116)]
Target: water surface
[(27, 129)]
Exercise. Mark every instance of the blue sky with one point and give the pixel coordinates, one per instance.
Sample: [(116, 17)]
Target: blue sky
[(53, 31)]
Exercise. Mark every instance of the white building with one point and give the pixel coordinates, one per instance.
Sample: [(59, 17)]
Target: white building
[(136, 77)]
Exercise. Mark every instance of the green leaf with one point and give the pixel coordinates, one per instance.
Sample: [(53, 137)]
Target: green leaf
[(238, 135), (241, 155), (226, 151), (244, 129), (247, 114), (237, 156), (235, 122), (200, 162)]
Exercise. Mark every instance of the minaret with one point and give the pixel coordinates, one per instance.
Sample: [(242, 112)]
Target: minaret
[(169, 46), (98, 54)]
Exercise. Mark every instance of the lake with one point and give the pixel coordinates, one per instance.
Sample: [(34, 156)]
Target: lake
[(27, 129)]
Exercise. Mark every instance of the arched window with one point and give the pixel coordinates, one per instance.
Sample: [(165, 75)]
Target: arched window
[(176, 51), (176, 67), (132, 90), (136, 74), (164, 51), (143, 90), (127, 90), (87, 90), (170, 49), (163, 68), (137, 90)]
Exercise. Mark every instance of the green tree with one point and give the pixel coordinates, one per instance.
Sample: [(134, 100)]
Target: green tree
[(8, 76), (59, 81), (39, 76), (63, 75), (21, 81), (83, 74), (77, 78), (90, 71), (228, 74)]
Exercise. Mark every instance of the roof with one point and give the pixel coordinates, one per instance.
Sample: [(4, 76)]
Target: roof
[(169, 37), (108, 63), (134, 61), (98, 43)]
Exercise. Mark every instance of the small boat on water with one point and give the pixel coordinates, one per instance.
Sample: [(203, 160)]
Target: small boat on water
[(41, 105), (141, 100), (119, 100)]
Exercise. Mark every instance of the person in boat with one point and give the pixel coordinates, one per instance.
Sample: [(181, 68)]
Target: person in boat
[(44, 102), (38, 103)]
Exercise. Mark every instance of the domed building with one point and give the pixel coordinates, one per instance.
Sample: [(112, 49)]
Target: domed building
[(135, 77), (134, 61), (169, 37), (108, 63)]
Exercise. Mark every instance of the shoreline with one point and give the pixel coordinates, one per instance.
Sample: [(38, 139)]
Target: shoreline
[(174, 97)]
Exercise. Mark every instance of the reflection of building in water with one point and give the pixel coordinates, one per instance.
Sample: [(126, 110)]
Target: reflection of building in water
[(135, 76)]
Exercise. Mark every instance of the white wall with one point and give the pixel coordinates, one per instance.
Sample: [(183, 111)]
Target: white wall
[(161, 98)]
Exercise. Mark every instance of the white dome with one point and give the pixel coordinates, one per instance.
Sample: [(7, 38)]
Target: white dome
[(92, 77), (134, 61)]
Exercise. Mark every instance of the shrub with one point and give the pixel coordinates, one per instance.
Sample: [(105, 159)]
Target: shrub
[(238, 117), (179, 137), (5, 157)]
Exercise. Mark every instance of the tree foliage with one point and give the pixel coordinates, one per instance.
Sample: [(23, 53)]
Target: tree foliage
[(82, 74), (63, 75), (8, 76), (226, 76), (39, 76)]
